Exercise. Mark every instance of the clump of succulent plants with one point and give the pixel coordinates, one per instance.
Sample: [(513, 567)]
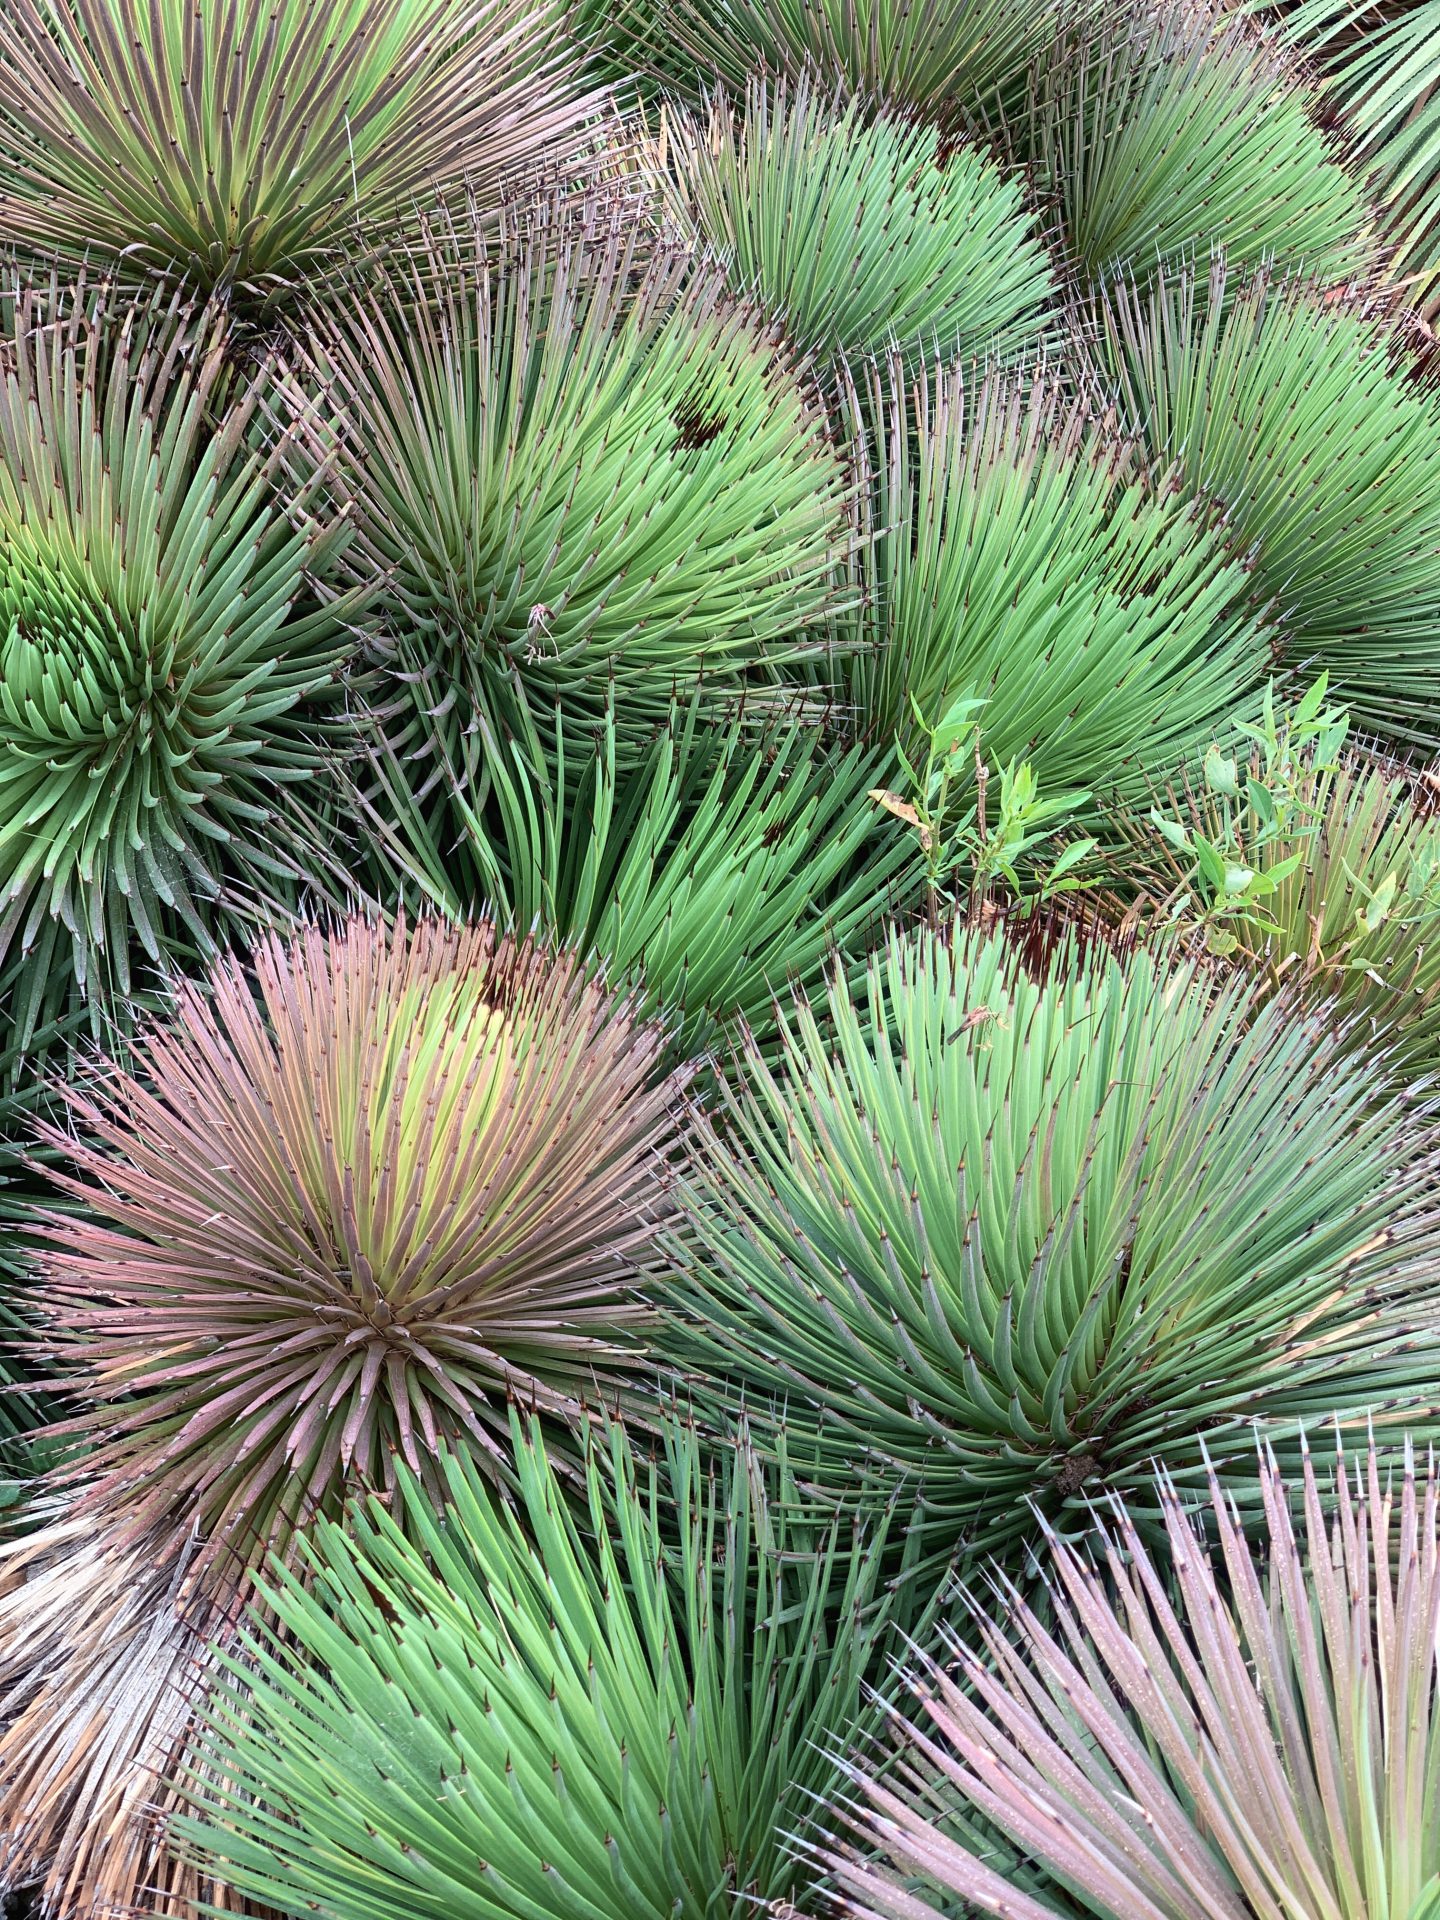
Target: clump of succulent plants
[(253, 154), (1003, 1234), (1161, 135), (1211, 1734), (718, 896)]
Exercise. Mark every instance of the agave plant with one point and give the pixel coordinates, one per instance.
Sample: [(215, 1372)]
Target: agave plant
[(938, 59), (329, 1227), (1017, 559), (855, 230), (1162, 134), (1260, 1739), (578, 473), (611, 1719), (1329, 879), (1298, 415), (727, 863), (1380, 71), (1006, 1237), (252, 153), (157, 648), (99, 1668)]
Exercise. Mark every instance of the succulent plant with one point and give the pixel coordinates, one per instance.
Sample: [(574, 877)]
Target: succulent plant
[(578, 473), (157, 647), (1162, 134), (1378, 69), (1262, 1737), (855, 230), (1002, 1237), (326, 1228), (1299, 416), (727, 864), (936, 59), (605, 1716), (1017, 557), (254, 153)]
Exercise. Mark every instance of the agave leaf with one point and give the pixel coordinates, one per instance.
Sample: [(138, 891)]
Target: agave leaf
[(1263, 1743), (1164, 134), (602, 1719), (253, 153), (576, 472), (1004, 1235), (1013, 553), (856, 230), (1298, 415), (324, 1229)]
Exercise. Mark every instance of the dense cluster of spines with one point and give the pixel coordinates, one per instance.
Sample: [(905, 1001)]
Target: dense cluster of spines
[(910, 234), (1299, 414), (1193, 1734), (416, 1178), (250, 154), (955, 1230)]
